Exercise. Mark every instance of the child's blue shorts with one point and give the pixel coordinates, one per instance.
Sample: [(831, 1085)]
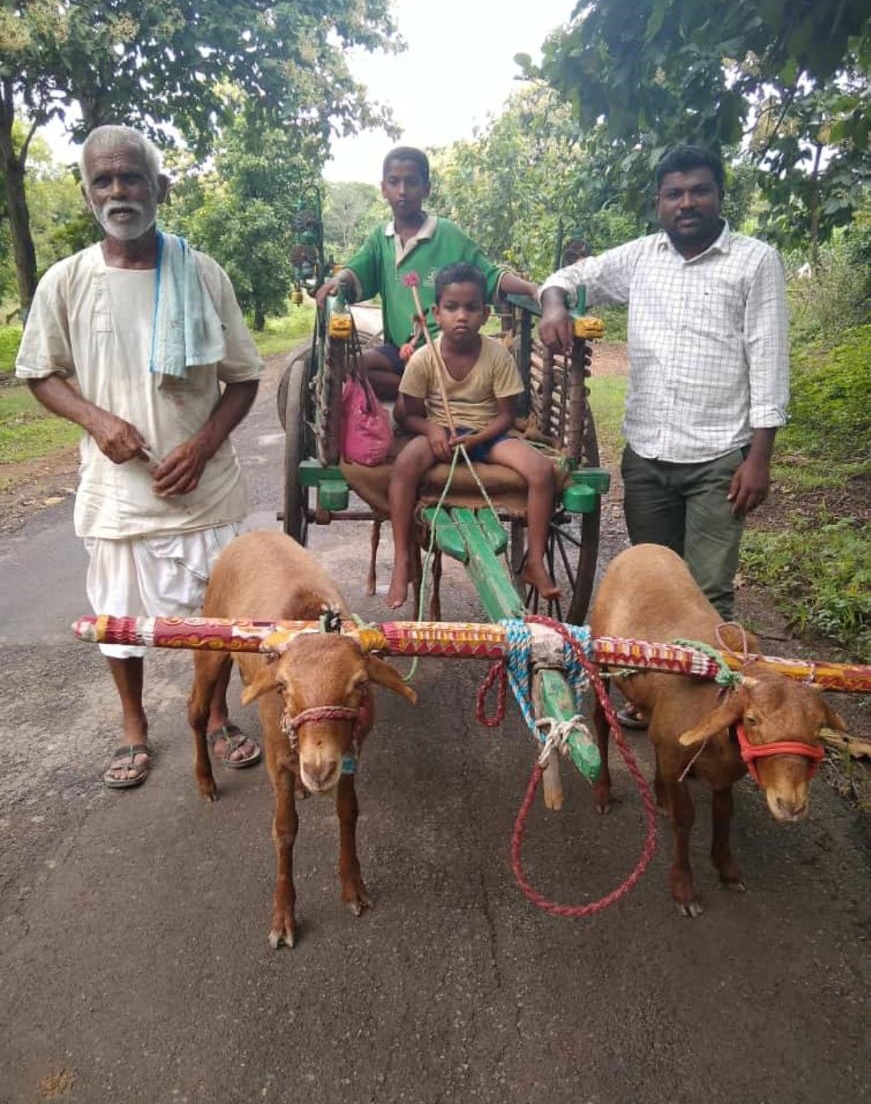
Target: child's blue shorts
[(479, 454)]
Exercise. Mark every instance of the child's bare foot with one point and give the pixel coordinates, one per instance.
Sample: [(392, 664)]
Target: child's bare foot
[(537, 575), (397, 592)]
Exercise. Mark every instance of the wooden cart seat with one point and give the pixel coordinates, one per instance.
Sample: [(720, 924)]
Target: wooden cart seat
[(506, 488)]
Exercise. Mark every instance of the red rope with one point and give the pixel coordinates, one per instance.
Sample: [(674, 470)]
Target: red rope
[(497, 671), (649, 808)]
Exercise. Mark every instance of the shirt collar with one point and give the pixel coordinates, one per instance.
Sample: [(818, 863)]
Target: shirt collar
[(721, 244), (426, 231)]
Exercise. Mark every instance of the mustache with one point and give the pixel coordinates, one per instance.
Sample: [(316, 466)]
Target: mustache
[(132, 205)]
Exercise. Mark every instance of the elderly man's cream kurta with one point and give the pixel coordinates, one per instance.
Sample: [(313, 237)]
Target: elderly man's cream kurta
[(93, 324)]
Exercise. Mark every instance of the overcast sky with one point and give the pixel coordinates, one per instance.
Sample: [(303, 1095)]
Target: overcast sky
[(458, 68)]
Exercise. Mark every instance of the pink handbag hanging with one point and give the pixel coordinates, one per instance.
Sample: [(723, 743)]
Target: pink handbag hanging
[(366, 430)]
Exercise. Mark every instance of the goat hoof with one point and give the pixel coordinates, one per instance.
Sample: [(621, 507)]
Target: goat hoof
[(691, 909), (736, 886), (209, 794), (605, 807), (359, 903), (276, 938)]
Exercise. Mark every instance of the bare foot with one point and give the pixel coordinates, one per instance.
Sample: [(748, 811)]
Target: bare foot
[(537, 575), (397, 593)]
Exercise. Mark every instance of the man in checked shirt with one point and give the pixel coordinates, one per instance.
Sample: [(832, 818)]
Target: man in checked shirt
[(708, 368)]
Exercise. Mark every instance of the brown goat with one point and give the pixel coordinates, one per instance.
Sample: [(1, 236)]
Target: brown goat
[(314, 703), (648, 593)]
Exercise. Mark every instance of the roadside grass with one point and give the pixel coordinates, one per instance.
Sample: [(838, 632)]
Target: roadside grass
[(810, 549), (281, 334), (28, 432), (10, 339), (814, 554), (819, 572), (607, 399)]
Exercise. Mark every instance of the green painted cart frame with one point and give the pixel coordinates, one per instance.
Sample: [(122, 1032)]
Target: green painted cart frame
[(492, 548)]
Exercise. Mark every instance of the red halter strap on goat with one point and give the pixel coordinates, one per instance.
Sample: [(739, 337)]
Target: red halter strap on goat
[(751, 752), (291, 725)]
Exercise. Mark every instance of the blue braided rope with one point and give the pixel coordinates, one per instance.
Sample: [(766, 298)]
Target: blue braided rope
[(579, 680), (519, 667), (518, 662)]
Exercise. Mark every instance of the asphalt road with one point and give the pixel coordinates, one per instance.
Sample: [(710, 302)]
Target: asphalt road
[(134, 962)]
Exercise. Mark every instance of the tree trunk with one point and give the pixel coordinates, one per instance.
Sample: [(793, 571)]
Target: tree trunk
[(259, 319), (12, 164), (816, 205)]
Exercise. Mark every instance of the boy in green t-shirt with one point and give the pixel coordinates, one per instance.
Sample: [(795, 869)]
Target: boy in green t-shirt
[(481, 382), (413, 242)]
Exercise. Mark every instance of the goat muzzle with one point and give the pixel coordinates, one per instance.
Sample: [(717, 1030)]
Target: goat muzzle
[(290, 726), (751, 752)]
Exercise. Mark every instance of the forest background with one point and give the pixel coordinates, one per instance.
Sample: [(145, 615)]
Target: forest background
[(244, 99)]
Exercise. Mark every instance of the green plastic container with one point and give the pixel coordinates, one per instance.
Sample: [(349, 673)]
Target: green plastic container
[(578, 498), (333, 495)]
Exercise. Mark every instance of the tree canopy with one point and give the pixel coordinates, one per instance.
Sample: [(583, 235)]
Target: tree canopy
[(526, 181), (164, 64), (785, 80)]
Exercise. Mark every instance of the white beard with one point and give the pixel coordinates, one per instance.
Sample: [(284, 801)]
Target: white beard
[(129, 228)]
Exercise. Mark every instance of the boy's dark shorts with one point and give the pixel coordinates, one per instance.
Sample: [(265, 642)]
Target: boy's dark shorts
[(391, 353), (479, 454)]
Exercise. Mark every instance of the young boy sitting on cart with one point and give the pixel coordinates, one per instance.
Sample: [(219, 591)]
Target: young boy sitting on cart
[(481, 382), (414, 242)]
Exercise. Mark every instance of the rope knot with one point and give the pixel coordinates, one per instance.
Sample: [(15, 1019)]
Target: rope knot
[(725, 676)]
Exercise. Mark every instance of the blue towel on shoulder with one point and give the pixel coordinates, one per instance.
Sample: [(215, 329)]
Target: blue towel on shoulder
[(186, 328)]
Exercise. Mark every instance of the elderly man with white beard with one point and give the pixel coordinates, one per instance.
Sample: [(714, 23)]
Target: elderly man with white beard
[(140, 341)]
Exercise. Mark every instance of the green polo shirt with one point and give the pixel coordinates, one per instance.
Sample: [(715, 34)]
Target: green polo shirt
[(381, 264)]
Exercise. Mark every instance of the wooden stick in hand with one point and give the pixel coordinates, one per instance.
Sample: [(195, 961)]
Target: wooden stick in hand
[(412, 280)]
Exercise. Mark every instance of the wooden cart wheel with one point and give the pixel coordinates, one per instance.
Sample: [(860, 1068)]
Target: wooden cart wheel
[(281, 394), (297, 446), (571, 554)]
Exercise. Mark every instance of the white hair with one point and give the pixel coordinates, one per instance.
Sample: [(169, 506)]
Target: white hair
[(111, 137)]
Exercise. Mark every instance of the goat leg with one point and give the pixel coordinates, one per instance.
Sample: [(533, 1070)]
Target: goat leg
[(680, 877), (602, 785), (207, 671), (721, 852), (284, 828), (353, 891)]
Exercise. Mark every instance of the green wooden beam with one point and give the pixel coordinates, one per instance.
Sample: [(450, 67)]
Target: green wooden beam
[(501, 601)]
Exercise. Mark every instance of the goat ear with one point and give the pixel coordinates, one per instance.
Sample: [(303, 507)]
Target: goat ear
[(730, 710), (261, 684), (384, 675)]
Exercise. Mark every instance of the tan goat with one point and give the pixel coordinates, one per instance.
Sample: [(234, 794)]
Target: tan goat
[(647, 593), (314, 702)]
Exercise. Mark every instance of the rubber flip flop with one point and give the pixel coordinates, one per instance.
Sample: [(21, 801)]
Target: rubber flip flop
[(628, 718), (235, 738), (130, 751)]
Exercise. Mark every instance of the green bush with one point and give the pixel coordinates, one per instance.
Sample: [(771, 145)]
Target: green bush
[(831, 399), (831, 299), (820, 574), (616, 320), (10, 339)]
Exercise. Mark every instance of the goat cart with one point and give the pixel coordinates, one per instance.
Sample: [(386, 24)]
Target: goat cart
[(471, 515)]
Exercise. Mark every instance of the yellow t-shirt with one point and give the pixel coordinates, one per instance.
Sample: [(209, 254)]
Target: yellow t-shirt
[(472, 401)]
